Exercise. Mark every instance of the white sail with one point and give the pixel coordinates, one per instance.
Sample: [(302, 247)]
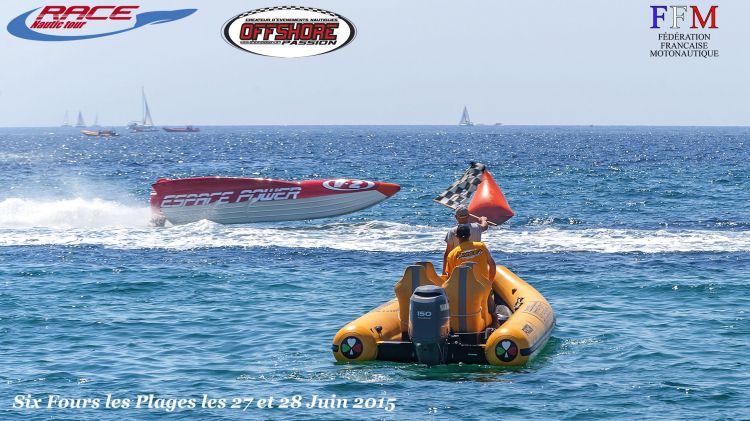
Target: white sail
[(147, 121), (79, 121), (96, 120), (66, 120), (465, 120)]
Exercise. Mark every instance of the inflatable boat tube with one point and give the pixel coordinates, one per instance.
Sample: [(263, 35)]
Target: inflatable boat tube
[(523, 329)]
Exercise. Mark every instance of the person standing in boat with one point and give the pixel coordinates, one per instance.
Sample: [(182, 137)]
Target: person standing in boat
[(484, 265), (471, 251), (451, 239)]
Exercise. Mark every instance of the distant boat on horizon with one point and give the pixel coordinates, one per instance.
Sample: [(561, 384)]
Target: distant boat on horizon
[(96, 121), (100, 133), (147, 123), (66, 120), (465, 120), (79, 121), (186, 129)]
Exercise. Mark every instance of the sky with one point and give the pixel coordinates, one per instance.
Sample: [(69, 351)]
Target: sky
[(412, 62)]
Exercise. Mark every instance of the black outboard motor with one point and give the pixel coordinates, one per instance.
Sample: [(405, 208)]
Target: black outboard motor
[(429, 324)]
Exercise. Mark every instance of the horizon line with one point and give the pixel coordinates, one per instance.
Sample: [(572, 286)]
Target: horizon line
[(391, 125)]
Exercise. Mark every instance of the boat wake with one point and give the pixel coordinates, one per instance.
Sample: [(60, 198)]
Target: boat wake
[(25, 222), (70, 213)]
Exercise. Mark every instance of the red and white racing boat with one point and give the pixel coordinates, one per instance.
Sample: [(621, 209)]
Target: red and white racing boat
[(233, 200)]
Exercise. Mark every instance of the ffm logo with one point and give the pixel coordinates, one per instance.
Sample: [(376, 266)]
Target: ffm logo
[(691, 42), (659, 13)]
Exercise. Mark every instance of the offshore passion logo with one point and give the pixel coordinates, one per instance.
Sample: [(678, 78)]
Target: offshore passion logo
[(289, 31), (72, 23)]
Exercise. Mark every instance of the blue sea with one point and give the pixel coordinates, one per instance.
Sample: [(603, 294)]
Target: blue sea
[(639, 237)]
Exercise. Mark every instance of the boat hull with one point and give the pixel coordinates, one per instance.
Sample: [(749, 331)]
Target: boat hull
[(229, 200), (143, 129), (181, 129), (99, 133), (520, 338)]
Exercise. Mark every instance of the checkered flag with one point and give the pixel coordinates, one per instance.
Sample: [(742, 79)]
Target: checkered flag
[(460, 191)]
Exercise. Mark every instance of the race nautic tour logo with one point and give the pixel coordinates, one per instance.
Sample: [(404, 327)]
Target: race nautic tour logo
[(72, 23), (288, 31)]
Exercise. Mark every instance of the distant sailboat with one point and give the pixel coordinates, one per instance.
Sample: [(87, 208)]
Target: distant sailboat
[(96, 121), (465, 120), (66, 120), (146, 124), (79, 121)]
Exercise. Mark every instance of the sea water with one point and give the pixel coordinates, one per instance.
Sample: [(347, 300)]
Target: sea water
[(639, 237)]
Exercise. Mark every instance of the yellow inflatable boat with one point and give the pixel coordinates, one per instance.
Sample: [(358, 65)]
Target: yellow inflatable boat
[(440, 320)]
